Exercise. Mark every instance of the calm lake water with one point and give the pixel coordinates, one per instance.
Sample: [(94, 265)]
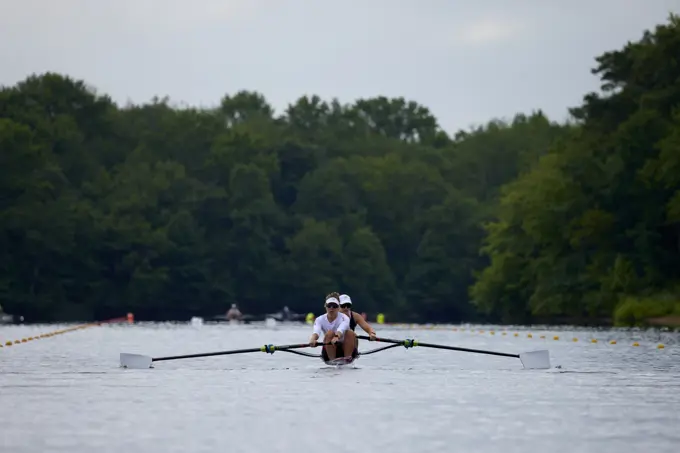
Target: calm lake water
[(67, 394)]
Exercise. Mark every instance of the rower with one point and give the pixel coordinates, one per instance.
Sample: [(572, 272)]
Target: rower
[(334, 327), (355, 318), (234, 313)]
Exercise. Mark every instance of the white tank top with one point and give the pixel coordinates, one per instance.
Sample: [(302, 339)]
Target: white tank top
[(323, 325)]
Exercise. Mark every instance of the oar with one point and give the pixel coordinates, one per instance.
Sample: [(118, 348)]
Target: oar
[(138, 361), (530, 360)]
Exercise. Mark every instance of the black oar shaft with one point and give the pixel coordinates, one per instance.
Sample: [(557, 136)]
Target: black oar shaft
[(234, 351), (440, 346), (478, 351), (205, 354)]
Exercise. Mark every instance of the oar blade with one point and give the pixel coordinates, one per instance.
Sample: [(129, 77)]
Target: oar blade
[(135, 361), (535, 360)]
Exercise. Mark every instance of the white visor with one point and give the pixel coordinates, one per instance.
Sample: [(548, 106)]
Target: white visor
[(332, 300)]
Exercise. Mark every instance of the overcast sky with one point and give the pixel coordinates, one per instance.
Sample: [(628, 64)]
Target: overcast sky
[(467, 60)]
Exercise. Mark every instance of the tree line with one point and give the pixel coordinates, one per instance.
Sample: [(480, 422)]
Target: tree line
[(173, 212)]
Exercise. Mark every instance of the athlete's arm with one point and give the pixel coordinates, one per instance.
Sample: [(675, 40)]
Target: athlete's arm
[(317, 331), (363, 324), (344, 325)]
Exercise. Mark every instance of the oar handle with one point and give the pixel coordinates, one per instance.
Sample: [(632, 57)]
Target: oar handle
[(269, 348), (408, 343)]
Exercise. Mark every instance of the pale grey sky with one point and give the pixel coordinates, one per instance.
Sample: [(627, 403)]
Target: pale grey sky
[(467, 60)]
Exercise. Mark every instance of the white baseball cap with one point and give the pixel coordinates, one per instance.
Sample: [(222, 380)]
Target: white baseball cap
[(345, 299)]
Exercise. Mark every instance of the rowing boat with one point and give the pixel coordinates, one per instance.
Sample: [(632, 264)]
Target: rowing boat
[(340, 361), (529, 360)]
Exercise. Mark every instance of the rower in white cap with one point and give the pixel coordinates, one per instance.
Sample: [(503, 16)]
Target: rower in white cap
[(354, 317), (334, 328)]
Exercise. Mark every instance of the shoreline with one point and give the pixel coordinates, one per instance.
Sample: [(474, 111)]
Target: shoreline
[(666, 321)]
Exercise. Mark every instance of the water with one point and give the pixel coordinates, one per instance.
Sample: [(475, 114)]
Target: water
[(67, 394)]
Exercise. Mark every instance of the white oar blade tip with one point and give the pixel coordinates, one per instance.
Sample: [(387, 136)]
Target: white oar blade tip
[(135, 361), (536, 360)]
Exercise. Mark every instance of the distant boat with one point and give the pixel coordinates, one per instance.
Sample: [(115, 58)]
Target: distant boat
[(245, 319), (286, 315), (6, 318)]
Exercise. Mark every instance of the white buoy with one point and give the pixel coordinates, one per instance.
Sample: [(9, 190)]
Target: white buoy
[(197, 321), (270, 323)]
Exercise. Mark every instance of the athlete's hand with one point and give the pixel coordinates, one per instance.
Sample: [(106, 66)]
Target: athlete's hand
[(334, 340), (371, 336), (312, 343)]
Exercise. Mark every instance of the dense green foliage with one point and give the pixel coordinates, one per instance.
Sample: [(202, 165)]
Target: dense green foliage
[(597, 221), (174, 212)]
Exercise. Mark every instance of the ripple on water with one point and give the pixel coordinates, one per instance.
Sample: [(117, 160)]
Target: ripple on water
[(67, 394)]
